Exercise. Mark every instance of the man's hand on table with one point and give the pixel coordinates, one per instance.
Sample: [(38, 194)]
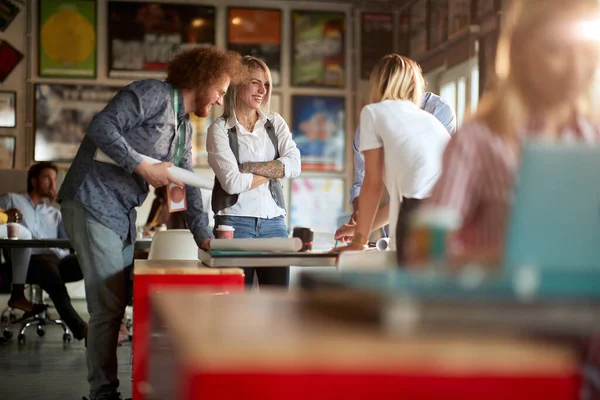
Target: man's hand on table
[(205, 245)]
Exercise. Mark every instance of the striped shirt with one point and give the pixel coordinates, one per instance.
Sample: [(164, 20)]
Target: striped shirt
[(478, 174)]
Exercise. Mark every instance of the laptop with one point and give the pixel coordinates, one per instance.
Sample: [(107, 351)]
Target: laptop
[(554, 224)]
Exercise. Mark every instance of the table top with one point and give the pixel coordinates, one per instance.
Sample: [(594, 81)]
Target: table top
[(179, 267), (225, 259), (56, 243), (274, 331)]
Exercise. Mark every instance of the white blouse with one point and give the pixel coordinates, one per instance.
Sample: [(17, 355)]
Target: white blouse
[(253, 147)]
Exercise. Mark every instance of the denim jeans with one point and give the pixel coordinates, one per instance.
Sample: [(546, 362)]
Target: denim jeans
[(259, 228), (104, 258)]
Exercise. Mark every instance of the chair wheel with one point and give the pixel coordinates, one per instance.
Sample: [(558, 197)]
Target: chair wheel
[(21, 338), (40, 331), (7, 334), (66, 338)]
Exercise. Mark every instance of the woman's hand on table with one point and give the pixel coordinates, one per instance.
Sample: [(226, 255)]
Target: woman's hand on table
[(350, 247), (345, 233)]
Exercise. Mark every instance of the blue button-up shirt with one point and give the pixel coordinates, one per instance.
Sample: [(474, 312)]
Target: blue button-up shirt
[(43, 220), (140, 119), (433, 104)]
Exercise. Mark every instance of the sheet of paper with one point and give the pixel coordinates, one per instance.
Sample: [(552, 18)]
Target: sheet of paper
[(255, 245), (188, 177)]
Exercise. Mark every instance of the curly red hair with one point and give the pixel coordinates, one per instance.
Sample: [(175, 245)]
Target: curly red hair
[(199, 67)]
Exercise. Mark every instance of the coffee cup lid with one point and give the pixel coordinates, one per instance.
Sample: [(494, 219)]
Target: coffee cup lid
[(225, 228)]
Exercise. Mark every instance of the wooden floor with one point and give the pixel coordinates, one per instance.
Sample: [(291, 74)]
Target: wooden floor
[(45, 368)]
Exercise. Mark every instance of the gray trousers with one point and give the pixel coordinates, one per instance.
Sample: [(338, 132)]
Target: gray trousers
[(103, 257)]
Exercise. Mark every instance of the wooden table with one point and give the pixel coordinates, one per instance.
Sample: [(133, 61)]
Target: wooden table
[(269, 347), (151, 276)]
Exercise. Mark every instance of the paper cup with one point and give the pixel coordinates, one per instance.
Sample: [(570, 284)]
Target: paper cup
[(12, 230), (224, 232)]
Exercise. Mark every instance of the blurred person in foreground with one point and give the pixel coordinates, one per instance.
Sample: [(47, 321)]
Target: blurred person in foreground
[(545, 67), (402, 145), (148, 117), (250, 149)]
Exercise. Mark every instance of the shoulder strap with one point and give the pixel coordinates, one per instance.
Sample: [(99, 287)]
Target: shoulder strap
[(271, 132), (233, 143)]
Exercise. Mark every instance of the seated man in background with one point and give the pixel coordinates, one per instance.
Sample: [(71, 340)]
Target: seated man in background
[(48, 268)]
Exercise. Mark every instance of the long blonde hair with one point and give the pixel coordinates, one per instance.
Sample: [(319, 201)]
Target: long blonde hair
[(250, 64), (506, 106), (395, 77)]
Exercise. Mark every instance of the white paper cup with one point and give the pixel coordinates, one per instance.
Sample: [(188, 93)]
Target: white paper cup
[(224, 232)]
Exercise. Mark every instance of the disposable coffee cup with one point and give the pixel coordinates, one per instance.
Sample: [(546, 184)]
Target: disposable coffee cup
[(306, 235), (12, 230), (224, 232)]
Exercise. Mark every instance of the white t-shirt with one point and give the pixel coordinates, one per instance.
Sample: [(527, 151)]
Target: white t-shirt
[(413, 141)]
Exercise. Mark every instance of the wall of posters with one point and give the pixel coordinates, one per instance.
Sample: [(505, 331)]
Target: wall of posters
[(8, 109), (318, 48), (7, 152), (67, 38), (62, 113), (256, 32), (317, 203), (144, 37), (319, 126), (376, 31)]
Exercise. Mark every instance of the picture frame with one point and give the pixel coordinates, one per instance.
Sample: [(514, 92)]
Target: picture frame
[(8, 109), (319, 130), (57, 59), (318, 53), (61, 115), (316, 203), (10, 57), (8, 150), (144, 36), (257, 32)]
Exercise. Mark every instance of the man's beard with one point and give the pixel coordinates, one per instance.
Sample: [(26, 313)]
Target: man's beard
[(203, 111)]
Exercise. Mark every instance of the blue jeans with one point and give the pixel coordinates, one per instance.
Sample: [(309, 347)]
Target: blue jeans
[(104, 258), (259, 228)]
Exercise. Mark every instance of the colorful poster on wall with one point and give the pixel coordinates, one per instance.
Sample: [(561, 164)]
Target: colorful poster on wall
[(319, 126), (318, 48), (9, 58), (62, 114), (256, 32), (376, 31), (67, 38), (316, 203), (144, 37), (8, 11)]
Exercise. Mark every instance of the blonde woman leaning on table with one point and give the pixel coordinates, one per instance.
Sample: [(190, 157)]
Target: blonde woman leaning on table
[(402, 145), (545, 67), (250, 149)]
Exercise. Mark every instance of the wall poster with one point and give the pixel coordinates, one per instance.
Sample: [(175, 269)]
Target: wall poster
[(62, 114), (144, 37), (8, 109), (318, 128), (317, 203), (67, 38), (318, 49), (256, 32)]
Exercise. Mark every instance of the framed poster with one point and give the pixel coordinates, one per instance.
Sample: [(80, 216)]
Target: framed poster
[(9, 58), (8, 11), (319, 126), (375, 33), (67, 38), (144, 37), (61, 115), (256, 32), (199, 131), (7, 152), (8, 109), (318, 49), (317, 203)]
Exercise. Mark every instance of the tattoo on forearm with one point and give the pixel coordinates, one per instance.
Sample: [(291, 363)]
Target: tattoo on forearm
[(268, 169)]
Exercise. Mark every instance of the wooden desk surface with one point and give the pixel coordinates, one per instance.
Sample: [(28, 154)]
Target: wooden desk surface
[(272, 331), (172, 267)]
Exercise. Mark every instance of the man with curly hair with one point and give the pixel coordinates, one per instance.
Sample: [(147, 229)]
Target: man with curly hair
[(148, 117)]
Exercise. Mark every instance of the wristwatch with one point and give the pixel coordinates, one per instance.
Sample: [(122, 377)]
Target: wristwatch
[(359, 239)]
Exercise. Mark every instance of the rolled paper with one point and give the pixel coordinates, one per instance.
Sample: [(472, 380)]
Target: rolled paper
[(383, 244), (187, 177)]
